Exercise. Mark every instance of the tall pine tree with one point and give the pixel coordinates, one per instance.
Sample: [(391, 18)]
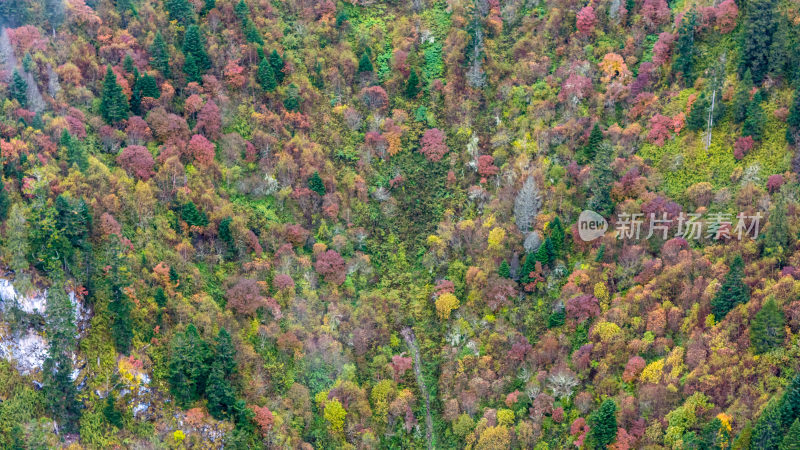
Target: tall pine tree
[(589, 151), (188, 366), (220, 393), (276, 61), (59, 389), (732, 292), (180, 10), (19, 89), (685, 47), (755, 119), (266, 76), (159, 55), (767, 432), (113, 102), (194, 43), (766, 330), (757, 30), (412, 84), (603, 425)]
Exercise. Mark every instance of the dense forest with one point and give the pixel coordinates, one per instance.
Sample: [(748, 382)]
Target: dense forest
[(323, 224)]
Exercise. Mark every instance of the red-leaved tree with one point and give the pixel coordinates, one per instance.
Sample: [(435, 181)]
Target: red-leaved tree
[(202, 150), (433, 145), (586, 20), (331, 265), (137, 161)]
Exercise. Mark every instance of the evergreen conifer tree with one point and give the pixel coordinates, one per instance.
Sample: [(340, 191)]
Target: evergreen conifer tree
[(159, 55), (767, 432), (685, 47), (589, 151), (113, 103), (315, 184), (791, 440), (412, 84), (741, 98), (364, 64), (266, 76), (732, 292), (755, 119), (757, 30), (766, 330), (19, 89), (276, 61), (194, 43), (188, 366), (603, 424)]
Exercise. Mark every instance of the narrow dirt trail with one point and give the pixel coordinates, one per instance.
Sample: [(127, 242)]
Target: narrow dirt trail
[(411, 342)]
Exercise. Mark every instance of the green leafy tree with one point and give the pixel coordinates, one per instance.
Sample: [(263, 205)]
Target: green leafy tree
[(188, 366), (252, 33), (180, 10), (757, 30), (292, 100), (557, 237), (221, 395), (767, 329), (732, 292), (192, 71), (127, 63), (777, 236), (698, 116), (76, 152), (159, 55), (276, 61), (73, 219), (755, 120), (602, 179), (119, 305), (110, 412), (793, 121), (192, 216), (412, 84), (18, 89), (504, 270), (226, 236), (767, 432), (266, 76), (364, 63), (589, 151), (791, 441), (544, 254), (160, 297), (779, 48), (4, 201), (790, 402), (113, 102), (59, 389), (208, 5), (241, 10), (603, 424), (17, 249), (194, 43), (528, 266), (741, 98), (315, 183), (685, 47)]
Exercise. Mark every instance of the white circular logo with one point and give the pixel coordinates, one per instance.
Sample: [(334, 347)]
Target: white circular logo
[(591, 225)]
